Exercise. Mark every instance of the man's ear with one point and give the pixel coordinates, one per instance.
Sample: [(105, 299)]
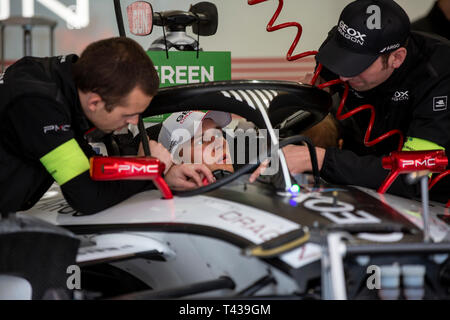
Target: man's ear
[(397, 57), (94, 101)]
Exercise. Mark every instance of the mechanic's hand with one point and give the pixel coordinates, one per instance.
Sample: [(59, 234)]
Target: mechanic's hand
[(188, 176), (298, 159), (157, 150), (263, 166)]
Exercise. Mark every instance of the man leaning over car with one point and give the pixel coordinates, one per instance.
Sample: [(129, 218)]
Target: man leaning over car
[(46, 107)]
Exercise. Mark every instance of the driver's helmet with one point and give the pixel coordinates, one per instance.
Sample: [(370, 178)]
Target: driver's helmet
[(181, 127)]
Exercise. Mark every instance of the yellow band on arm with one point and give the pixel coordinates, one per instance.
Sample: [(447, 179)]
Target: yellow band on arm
[(417, 144), (65, 162)]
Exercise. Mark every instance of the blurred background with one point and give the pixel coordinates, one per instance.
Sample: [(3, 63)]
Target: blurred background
[(256, 53)]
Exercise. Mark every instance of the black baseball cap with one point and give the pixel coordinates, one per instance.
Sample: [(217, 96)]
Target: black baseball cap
[(365, 30)]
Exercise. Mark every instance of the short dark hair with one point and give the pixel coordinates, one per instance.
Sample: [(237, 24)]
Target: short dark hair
[(112, 68), (385, 59)]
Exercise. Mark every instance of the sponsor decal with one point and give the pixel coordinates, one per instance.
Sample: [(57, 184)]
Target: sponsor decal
[(56, 128), (418, 163), (182, 117), (263, 231), (350, 33), (185, 74), (400, 95), (139, 16), (339, 212), (135, 168), (440, 103), (390, 47)]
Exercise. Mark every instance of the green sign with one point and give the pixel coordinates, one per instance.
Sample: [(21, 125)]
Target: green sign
[(183, 67)]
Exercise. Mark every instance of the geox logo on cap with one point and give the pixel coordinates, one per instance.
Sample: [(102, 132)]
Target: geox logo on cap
[(57, 128), (401, 95), (389, 48), (350, 33), (440, 103)]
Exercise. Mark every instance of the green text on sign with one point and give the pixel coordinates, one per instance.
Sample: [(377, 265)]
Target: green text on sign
[(183, 67)]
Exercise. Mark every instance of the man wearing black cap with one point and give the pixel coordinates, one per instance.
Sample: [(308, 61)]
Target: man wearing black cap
[(405, 75)]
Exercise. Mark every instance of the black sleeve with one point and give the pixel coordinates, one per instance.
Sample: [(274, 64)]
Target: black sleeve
[(40, 127), (431, 116), (88, 196), (430, 121), (346, 167)]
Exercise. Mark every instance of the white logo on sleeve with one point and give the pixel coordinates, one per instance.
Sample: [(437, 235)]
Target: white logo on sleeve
[(57, 128), (440, 103), (400, 95)]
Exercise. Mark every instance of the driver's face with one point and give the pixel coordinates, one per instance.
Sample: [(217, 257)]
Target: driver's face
[(210, 146)]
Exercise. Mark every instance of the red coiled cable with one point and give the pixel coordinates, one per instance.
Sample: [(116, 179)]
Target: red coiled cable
[(271, 27), (350, 113), (339, 115)]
